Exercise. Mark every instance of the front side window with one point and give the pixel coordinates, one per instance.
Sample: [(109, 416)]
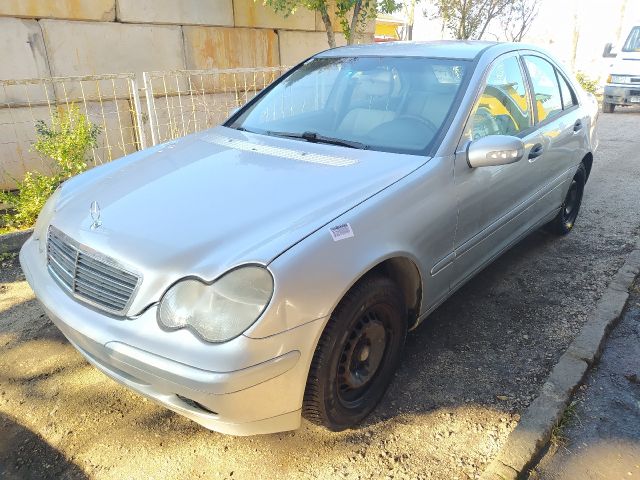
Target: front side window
[(395, 104), (633, 41), (503, 107), (545, 87)]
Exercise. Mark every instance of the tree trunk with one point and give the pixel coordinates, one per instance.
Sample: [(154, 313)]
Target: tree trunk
[(462, 29), (576, 39), (331, 37), (411, 9), (353, 28), (409, 32)]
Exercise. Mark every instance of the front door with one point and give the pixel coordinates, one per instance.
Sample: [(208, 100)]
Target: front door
[(495, 203)]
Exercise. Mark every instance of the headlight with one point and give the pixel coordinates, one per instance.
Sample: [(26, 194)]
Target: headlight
[(620, 79), (44, 219), (219, 311)]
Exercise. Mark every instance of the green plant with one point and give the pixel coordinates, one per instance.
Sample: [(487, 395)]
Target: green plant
[(558, 435), (67, 141), (588, 84), (7, 256)]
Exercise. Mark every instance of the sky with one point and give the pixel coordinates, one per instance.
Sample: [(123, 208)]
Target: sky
[(593, 22)]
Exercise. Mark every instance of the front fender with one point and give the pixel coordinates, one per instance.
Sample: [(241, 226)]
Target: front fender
[(413, 219)]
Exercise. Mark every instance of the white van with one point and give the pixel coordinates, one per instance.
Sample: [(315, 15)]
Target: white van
[(623, 82)]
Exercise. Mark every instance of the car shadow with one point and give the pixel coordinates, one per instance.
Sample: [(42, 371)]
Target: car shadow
[(25, 455)]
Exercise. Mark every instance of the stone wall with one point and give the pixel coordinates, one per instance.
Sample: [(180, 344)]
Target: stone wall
[(59, 38)]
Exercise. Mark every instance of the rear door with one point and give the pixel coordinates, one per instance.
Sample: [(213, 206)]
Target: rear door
[(560, 138)]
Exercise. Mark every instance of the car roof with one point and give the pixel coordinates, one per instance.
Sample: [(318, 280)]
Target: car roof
[(459, 49)]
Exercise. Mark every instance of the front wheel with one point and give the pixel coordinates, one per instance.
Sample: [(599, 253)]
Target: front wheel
[(608, 107), (356, 355), (564, 221)]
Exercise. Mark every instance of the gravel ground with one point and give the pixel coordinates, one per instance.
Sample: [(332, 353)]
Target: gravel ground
[(467, 374), (600, 439)]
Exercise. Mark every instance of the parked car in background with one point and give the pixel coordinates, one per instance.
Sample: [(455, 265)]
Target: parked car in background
[(270, 268), (623, 82)]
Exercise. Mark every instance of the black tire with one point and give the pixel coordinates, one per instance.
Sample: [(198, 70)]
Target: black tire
[(608, 107), (357, 354), (564, 221)]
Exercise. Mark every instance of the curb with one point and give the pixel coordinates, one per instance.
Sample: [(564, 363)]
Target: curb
[(12, 242), (526, 442)]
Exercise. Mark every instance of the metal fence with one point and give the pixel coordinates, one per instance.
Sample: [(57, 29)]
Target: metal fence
[(169, 105), (183, 102)]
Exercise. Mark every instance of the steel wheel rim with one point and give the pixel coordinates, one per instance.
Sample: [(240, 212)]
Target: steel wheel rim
[(362, 356)]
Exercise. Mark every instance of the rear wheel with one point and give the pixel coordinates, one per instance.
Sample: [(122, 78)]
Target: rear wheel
[(564, 221), (608, 107), (357, 354)]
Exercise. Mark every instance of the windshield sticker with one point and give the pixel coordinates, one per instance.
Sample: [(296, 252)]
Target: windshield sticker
[(341, 232)]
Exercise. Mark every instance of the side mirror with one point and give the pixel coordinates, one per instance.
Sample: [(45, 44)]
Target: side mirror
[(494, 150), (607, 53)]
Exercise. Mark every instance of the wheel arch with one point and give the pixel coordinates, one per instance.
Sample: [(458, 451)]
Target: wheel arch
[(406, 275)]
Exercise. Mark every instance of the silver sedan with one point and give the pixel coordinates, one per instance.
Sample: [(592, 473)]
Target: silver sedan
[(270, 268)]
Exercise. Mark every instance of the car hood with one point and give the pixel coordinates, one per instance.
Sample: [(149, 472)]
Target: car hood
[(211, 201), (626, 63)]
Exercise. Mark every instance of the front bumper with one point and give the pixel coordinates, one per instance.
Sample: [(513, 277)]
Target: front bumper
[(622, 95), (243, 387)]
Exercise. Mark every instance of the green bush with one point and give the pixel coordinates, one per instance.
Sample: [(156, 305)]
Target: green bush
[(588, 84), (67, 141)]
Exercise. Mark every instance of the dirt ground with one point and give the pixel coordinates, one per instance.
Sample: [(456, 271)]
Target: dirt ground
[(468, 371)]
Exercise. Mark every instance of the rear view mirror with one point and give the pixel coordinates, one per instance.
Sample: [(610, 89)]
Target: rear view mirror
[(494, 150), (607, 53)]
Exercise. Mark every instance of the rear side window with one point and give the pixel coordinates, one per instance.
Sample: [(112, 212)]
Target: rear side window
[(503, 107), (545, 87), (568, 95)]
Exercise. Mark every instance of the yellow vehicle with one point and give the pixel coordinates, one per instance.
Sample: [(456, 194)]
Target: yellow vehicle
[(388, 28), (501, 109)]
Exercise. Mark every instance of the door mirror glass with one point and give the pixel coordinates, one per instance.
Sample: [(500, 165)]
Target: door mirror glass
[(608, 51), (494, 150)]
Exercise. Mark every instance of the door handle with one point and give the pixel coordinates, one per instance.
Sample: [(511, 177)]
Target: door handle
[(577, 126), (536, 151)]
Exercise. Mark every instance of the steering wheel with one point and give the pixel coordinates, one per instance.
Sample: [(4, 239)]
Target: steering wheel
[(406, 129), (424, 121)]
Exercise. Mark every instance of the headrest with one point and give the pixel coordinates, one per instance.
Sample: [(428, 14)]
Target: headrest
[(376, 83)]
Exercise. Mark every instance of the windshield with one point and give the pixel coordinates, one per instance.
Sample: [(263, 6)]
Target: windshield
[(633, 41), (394, 104)]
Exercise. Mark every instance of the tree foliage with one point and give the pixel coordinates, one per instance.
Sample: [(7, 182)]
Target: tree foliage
[(469, 19), (587, 83), (518, 18), (352, 15)]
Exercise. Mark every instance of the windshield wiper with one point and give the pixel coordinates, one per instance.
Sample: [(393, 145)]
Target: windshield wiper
[(314, 137)]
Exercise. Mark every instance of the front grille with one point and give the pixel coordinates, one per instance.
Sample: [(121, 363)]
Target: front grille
[(89, 276)]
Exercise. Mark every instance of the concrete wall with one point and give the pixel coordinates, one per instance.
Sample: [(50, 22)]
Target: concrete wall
[(43, 38)]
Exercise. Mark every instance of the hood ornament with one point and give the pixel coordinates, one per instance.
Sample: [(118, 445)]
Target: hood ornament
[(94, 211)]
